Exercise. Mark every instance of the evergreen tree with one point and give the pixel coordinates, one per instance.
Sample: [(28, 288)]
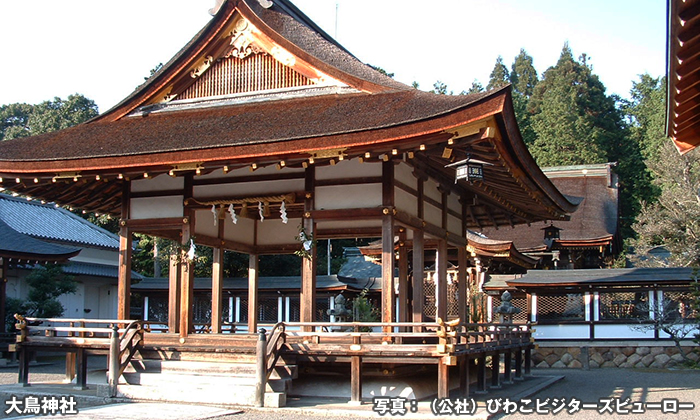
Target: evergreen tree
[(476, 87), (576, 123), (524, 80), (646, 114), (570, 115), (23, 120), (499, 75), (523, 75)]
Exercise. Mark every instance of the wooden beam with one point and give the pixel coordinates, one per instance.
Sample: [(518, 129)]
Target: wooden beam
[(253, 284), (166, 223), (414, 222)]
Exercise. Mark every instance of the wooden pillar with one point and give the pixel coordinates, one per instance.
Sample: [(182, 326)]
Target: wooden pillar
[(481, 374), (404, 299), (3, 293), (443, 379), (418, 273), (519, 365), (253, 284), (496, 370), (441, 286), (217, 278), (388, 269), (124, 280), (124, 274), (464, 377), (528, 360), (307, 301), (388, 294), (174, 295), (186, 284), (80, 369), (462, 284), (507, 367), (186, 266), (356, 379)]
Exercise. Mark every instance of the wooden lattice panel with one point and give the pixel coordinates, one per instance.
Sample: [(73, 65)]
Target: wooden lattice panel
[(564, 307), (518, 302), (257, 72), (623, 305), (681, 304)]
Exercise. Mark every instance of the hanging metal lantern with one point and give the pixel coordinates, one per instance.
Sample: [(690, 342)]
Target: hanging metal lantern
[(469, 169)]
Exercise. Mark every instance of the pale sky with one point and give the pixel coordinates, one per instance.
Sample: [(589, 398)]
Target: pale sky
[(104, 49)]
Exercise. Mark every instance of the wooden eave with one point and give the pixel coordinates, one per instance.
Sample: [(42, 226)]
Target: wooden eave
[(510, 182), (683, 74)]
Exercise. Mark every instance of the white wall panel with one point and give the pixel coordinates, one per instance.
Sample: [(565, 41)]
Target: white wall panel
[(242, 232), (348, 196), (272, 231), (348, 169), (404, 173), (159, 183), (156, 207), (432, 214), (406, 202), (249, 189)]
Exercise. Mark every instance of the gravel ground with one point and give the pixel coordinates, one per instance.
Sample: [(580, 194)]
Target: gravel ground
[(640, 385)]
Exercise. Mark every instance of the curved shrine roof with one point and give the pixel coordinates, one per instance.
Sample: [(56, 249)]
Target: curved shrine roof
[(312, 97)]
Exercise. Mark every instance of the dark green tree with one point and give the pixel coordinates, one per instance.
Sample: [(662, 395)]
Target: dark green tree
[(575, 123), (646, 114), (499, 75), (523, 75), (571, 116), (524, 79), (23, 120), (476, 87), (440, 88), (46, 283)]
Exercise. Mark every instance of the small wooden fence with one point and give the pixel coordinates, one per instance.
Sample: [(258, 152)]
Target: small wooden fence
[(118, 339)]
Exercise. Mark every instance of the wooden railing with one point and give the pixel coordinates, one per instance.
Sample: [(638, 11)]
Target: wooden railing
[(119, 339), (274, 346)]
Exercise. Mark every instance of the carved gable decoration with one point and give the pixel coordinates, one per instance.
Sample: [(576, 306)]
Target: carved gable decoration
[(255, 72), (249, 63)]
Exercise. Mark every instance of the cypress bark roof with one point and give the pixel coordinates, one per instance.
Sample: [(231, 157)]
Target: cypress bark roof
[(307, 95)]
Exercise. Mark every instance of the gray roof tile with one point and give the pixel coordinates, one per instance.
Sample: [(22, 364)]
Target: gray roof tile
[(46, 221)]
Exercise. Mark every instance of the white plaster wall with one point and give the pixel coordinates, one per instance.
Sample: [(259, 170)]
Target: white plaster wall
[(620, 331), (348, 196), (242, 232), (432, 214), (406, 202), (348, 169), (404, 173), (564, 331), (272, 231), (249, 189), (160, 183), (156, 207)]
